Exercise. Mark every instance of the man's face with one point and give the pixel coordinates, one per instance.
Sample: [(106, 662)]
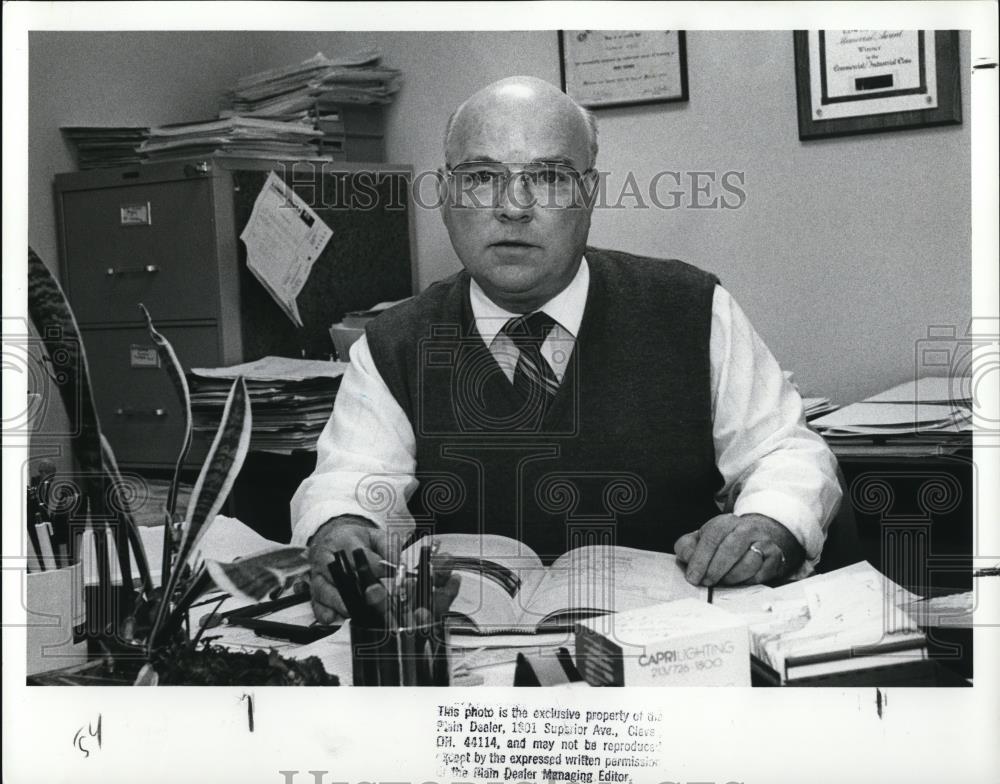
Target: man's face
[(521, 253)]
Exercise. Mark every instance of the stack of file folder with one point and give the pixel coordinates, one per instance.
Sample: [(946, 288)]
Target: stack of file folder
[(928, 410), (817, 406), (237, 137), (290, 400), (830, 625), (105, 146), (341, 98), (291, 90)]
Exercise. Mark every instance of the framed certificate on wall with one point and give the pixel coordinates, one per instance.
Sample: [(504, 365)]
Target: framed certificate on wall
[(604, 68), (865, 81)]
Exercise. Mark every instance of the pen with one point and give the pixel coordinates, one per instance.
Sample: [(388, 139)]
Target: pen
[(362, 569), (424, 583), (32, 517), (276, 630), (43, 493), (346, 587), (424, 654), (33, 562), (393, 570), (44, 531), (255, 610)]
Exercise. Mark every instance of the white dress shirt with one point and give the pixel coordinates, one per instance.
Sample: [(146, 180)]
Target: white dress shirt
[(770, 462)]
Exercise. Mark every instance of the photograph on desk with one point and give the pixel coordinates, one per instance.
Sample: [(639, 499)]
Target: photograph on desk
[(362, 354)]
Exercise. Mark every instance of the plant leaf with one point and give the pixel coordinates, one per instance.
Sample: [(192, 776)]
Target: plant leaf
[(124, 510), (147, 676), (222, 464), (256, 576), (169, 360), (52, 316), (199, 583)]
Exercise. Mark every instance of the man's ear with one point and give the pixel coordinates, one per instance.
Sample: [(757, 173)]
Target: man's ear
[(443, 189), (590, 185)]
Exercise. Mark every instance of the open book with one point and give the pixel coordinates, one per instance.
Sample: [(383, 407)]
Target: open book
[(506, 588)]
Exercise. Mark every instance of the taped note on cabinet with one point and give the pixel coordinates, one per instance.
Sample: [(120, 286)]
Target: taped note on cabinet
[(284, 237)]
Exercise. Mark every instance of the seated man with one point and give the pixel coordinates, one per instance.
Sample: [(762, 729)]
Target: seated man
[(554, 392)]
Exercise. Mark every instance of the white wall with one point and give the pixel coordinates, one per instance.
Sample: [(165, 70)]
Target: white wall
[(844, 253)]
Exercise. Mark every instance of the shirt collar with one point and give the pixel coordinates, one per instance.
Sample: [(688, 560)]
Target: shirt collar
[(566, 307)]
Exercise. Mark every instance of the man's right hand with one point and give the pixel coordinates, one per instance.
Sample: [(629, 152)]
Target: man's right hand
[(347, 533)]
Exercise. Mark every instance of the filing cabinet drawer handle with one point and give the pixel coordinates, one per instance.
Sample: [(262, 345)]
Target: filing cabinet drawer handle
[(145, 269), (133, 412)]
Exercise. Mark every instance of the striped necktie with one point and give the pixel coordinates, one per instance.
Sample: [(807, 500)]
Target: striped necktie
[(533, 377)]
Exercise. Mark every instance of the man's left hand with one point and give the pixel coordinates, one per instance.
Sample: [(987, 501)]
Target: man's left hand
[(739, 550)]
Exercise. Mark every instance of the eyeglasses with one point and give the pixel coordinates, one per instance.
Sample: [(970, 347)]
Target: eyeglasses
[(486, 183)]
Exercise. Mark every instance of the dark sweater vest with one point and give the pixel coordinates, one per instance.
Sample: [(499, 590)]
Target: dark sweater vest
[(622, 455)]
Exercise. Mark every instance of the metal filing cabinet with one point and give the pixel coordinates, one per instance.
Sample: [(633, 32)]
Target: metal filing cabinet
[(166, 235)]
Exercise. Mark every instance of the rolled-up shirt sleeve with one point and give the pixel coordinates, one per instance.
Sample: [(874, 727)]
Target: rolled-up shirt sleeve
[(771, 462), (365, 462)]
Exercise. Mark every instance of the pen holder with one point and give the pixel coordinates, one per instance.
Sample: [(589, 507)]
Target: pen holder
[(54, 601), (407, 656)]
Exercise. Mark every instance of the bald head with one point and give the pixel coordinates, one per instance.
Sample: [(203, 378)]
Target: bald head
[(520, 106)]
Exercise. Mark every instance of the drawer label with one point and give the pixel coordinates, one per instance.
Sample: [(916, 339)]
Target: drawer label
[(143, 356), (136, 214)]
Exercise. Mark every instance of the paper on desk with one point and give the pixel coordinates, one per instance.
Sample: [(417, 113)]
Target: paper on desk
[(284, 237), (893, 419), (277, 369), (955, 610), (945, 390), (485, 641), (225, 539), (260, 574), (853, 607)]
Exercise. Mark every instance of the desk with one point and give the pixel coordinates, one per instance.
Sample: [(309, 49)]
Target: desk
[(474, 664)]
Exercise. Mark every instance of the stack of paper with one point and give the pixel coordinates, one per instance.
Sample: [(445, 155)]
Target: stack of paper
[(848, 619), (290, 399), (929, 409), (290, 90), (315, 93), (345, 333), (817, 406), (105, 146), (240, 137)]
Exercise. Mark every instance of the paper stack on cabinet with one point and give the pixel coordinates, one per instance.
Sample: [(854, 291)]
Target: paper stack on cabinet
[(99, 147), (340, 97), (290, 399), (236, 137), (930, 408), (286, 91)]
